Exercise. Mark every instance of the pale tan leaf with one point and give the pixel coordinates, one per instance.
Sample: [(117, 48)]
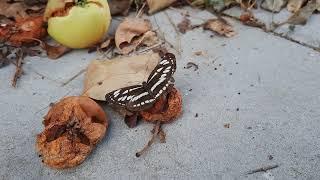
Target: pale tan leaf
[(219, 26), (148, 39), (273, 5), (129, 29), (302, 15), (157, 5), (105, 76), (294, 5)]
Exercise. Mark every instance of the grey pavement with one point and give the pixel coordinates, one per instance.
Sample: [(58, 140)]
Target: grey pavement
[(264, 86)]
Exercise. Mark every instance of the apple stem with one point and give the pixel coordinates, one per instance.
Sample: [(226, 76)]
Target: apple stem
[(81, 2)]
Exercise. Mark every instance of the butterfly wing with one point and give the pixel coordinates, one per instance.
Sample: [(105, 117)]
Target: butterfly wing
[(140, 97), (121, 97), (158, 81)]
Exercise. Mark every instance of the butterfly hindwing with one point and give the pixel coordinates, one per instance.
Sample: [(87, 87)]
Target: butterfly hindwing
[(121, 97)]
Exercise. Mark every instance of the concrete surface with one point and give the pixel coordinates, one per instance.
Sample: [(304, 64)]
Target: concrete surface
[(265, 87)]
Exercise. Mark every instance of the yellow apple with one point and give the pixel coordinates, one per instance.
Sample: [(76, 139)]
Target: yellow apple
[(80, 26)]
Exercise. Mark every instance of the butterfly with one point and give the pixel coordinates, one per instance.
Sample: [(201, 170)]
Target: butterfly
[(140, 97)]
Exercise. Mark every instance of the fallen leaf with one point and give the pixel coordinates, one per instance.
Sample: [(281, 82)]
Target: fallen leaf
[(273, 5), (248, 19), (16, 10), (119, 6), (294, 5), (103, 77), (104, 46), (23, 30), (220, 26), (302, 15), (128, 30), (54, 52), (131, 120), (156, 5), (198, 53), (184, 25)]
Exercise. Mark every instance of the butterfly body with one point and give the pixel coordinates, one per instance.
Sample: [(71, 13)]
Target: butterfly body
[(140, 97)]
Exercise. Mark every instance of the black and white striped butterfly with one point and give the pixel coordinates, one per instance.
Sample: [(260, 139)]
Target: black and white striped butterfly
[(140, 97)]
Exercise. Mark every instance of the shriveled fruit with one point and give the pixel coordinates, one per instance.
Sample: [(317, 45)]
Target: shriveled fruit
[(165, 109), (73, 127)]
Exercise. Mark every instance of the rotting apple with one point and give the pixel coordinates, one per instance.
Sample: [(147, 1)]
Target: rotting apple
[(77, 23)]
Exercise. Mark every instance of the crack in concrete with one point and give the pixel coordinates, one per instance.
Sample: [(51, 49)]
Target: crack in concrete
[(281, 35)]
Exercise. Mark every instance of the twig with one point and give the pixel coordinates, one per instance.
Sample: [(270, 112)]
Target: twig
[(19, 70), (262, 169), (141, 10), (151, 47), (73, 77), (150, 142)]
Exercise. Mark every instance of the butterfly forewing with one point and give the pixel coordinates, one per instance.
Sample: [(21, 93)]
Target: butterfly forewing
[(158, 81)]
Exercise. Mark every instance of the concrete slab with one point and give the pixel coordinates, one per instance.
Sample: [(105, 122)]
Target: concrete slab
[(265, 87)]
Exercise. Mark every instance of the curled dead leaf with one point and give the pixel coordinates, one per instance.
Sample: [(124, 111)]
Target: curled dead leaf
[(73, 127), (302, 15), (220, 26), (166, 109), (184, 25), (156, 5), (273, 5), (103, 77), (129, 33), (119, 6), (248, 19), (294, 5)]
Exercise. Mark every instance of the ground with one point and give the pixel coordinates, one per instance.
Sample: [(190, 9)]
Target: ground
[(265, 87)]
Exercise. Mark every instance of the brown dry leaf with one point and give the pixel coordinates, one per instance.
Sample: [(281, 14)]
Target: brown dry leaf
[(16, 10), (119, 6), (248, 19), (148, 39), (184, 25), (302, 15), (220, 26), (273, 5), (103, 77), (294, 5), (156, 5), (128, 30), (54, 52), (19, 9)]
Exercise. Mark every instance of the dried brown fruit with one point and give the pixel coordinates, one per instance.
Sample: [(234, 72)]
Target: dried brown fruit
[(73, 127), (165, 110), (23, 30)]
